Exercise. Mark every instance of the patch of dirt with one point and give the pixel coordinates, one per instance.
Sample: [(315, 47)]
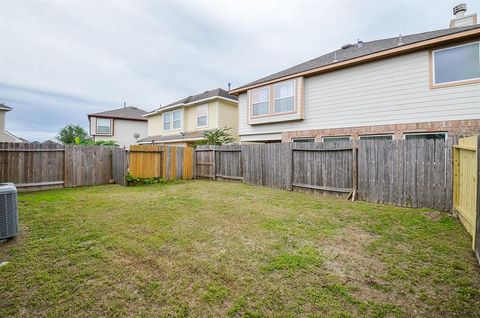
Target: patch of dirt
[(349, 261), (433, 215)]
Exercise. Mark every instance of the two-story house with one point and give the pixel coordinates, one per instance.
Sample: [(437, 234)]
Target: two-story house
[(123, 125), (6, 136), (424, 85), (184, 122)]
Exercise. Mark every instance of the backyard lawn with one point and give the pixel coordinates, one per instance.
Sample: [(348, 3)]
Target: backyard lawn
[(220, 249)]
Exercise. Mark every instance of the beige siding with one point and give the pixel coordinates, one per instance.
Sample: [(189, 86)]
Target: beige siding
[(390, 91), (191, 117), (228, 116)]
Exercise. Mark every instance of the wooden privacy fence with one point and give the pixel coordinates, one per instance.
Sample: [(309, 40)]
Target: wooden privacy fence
[(33, 167), (465, 179), (414, 173), (284, 166), (155, 161)]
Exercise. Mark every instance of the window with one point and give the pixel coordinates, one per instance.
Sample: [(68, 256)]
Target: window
[(336, 139), (172, 120), (376, 137), (202, 116), (284, 97), (176, 119), (456, 64), (303, 140), (261, 101), (427, 136), (104, 126), (166, 121)]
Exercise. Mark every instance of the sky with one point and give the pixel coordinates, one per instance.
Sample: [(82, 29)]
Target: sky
[(63, 59)]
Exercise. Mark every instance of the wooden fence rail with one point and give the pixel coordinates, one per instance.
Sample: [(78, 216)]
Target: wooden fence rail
[(34, 167)]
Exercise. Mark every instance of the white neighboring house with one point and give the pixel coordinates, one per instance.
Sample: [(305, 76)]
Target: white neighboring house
[(6, 136), (123, 125)]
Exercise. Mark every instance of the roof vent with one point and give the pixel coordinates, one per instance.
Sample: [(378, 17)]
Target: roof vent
[(459, 11), (460, 19), (400, 40)]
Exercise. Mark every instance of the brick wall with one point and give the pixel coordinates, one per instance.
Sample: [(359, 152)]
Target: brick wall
[(452, 127)]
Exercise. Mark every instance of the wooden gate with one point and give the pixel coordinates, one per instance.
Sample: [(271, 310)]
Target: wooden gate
[(156, 161), (465, 183)]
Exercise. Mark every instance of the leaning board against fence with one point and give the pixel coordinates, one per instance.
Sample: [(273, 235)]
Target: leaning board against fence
[(156, 161), (416, 173)]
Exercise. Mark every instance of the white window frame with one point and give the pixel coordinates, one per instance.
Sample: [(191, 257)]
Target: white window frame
[(377, 135), (170, 121), (425, 133), (336, 137), (294, 96), (452, 82), (269, 90), (199, 107), (109, 126)]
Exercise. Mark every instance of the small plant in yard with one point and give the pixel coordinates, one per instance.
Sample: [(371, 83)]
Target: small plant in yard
[(131, 180), (217, 137)]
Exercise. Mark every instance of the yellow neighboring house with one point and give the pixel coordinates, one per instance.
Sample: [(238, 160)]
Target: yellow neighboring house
[(184, 122)]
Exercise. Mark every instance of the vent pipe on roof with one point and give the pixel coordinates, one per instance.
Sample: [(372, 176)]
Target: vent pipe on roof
[(461, 19), (229, 85), (124, 104), (400, 40)]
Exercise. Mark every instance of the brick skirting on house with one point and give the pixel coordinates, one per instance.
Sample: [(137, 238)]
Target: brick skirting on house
[(452, 127)]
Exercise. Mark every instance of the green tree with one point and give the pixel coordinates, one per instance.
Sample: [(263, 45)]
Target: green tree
[(217, 137), (72, 134)]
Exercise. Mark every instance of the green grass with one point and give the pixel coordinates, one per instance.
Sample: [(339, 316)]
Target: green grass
[(216, 249)]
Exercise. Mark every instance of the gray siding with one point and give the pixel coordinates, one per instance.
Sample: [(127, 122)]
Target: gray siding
[(391, 91)]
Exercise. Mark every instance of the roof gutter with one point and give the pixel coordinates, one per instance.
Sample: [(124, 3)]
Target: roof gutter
[(407, 48)]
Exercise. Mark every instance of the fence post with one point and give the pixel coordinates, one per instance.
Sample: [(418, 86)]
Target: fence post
[(292, 168), (214, 164), (476, 240), (354, 170)]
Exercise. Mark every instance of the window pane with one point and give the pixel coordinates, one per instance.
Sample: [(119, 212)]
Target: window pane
[(176, 124), (202, 121), (202, 110), (260, 95), (284, 90), (382, 137), (304, 140), (166, 126), (260, 109), (103, 125), (166, 117), (456, 64), (433, 136), (176, 115), (335, 139), (284, 105)]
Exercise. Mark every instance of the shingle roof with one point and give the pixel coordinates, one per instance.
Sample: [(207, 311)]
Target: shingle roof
[(355, 51), (187, 136), (208, 94), (130, 112), (5, 107)]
